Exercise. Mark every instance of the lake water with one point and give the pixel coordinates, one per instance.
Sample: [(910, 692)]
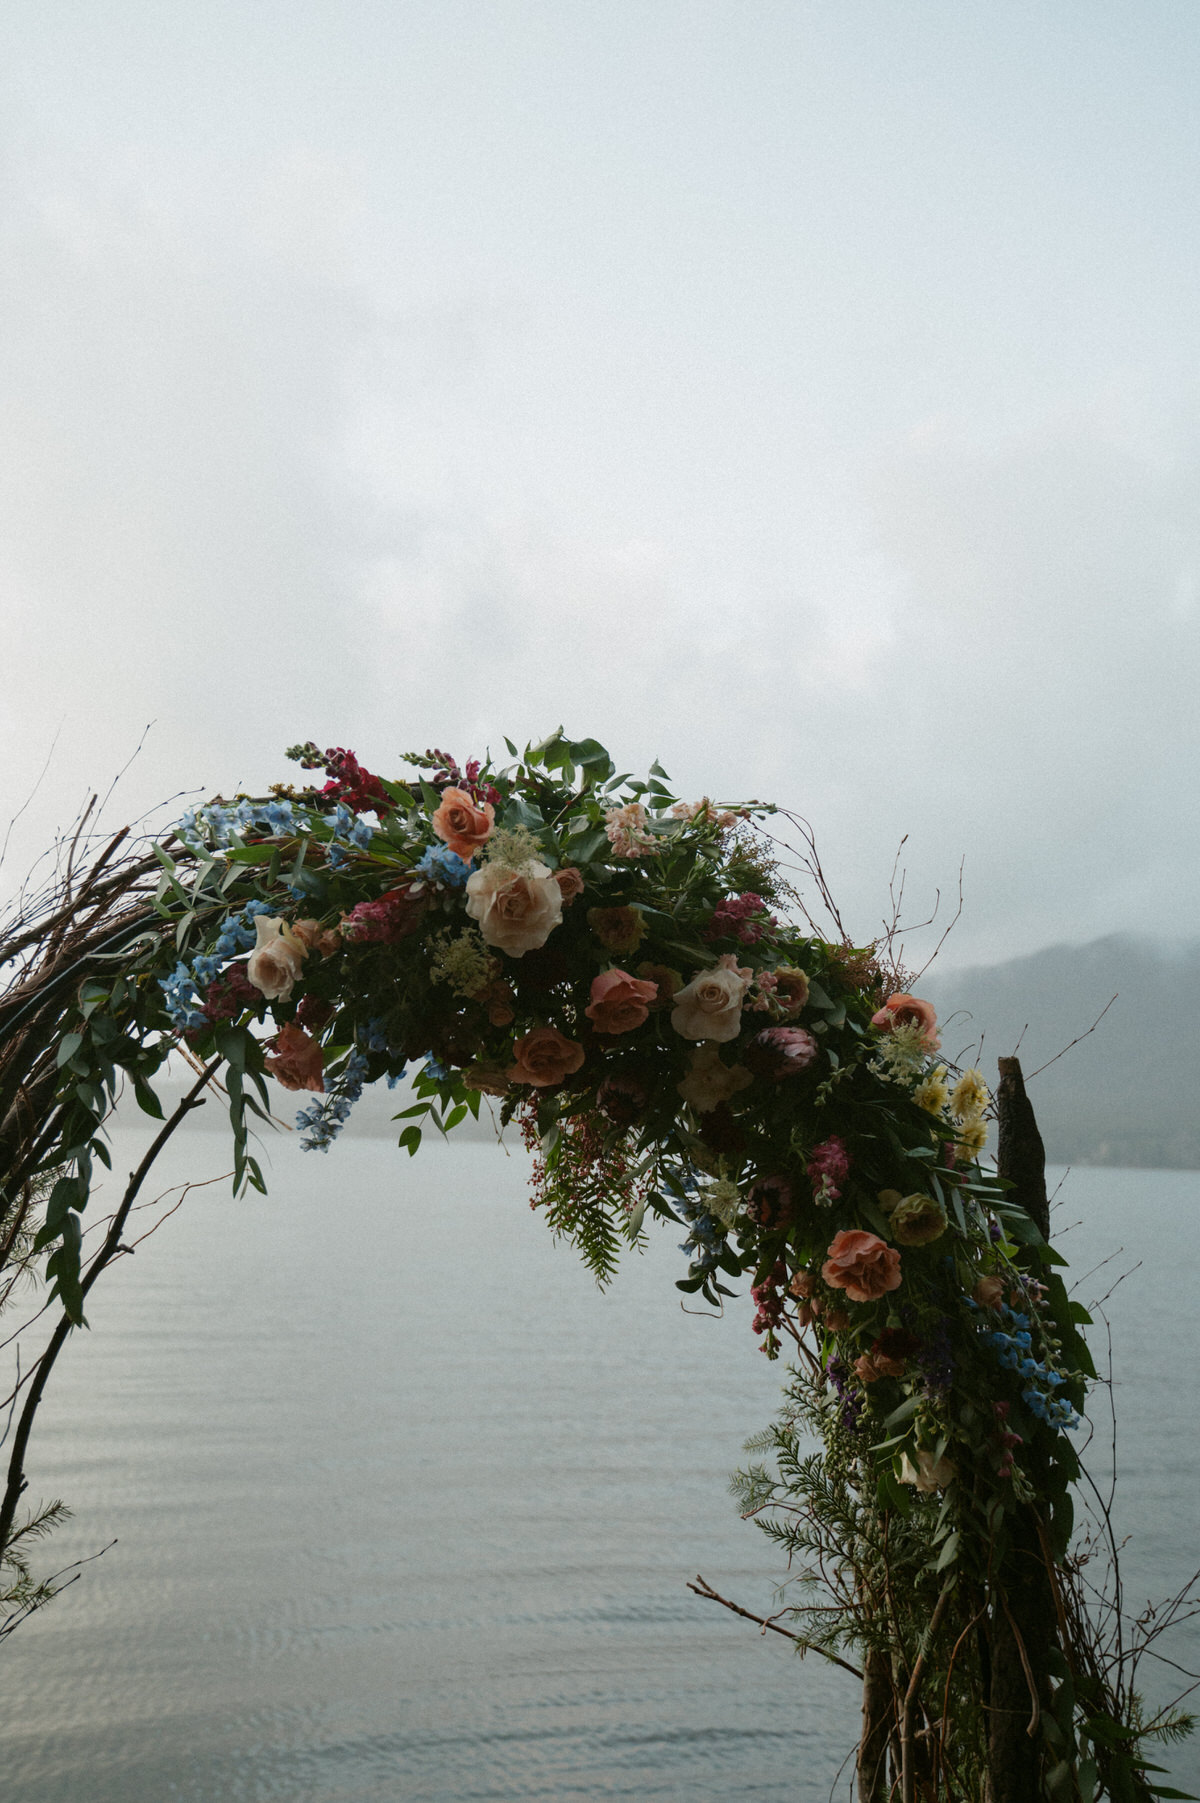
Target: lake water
[(405, 1508)]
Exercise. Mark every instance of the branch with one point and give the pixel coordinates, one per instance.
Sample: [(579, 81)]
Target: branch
[(16, 1471), (703, 1588), (1074, 1042)]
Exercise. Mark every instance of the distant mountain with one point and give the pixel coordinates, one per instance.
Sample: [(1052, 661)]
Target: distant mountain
[(1128, 1094)]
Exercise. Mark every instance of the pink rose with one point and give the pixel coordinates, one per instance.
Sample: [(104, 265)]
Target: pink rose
[(862, 1265), (274, 964), (544, 1057), (908, 1011), (517, 910), (462, 825), (710, 1007), (570, 884), (780, 1052), (619, 1002), (298, 1061)]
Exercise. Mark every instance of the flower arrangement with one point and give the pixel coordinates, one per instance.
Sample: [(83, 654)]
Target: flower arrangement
[(623, 973), (616, 968)]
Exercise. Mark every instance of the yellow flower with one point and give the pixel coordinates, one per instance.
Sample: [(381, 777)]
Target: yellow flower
[(931, 1093), (970, 1095), (972, 1137)]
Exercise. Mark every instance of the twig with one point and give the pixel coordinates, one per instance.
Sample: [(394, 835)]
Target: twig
[(703, 1588), (1074, 1042)]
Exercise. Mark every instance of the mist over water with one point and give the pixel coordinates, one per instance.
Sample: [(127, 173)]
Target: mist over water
[(405, 1508)]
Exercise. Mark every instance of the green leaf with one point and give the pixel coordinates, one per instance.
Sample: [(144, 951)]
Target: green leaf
[(147, 1101), (905, 1412), (949, 1553), (68, 1045), (410, 1139)]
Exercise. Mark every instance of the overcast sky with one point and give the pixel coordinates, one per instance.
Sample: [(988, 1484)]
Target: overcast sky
[(803, 394)]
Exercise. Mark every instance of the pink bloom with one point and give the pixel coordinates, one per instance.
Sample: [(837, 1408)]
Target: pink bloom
[(769, 1202), (828, 1167), (390, 918), (780, 1052), (619, 1002), (570, 883)]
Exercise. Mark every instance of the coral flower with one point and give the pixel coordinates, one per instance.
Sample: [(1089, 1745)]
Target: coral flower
[(908, 1011), (861, 1264), (462, 825), (619, 1002), (298, 1061), (543, 1057)]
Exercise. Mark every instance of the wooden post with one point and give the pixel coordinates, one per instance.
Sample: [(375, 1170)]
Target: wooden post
[(878, 1726), (1023, 1624)]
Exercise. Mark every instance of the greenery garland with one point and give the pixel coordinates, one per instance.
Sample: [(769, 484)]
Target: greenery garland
[(624, 973)]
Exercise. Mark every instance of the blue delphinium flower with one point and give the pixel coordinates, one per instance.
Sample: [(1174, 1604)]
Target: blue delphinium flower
[(442, 866), (322, 1123), (182, 999)]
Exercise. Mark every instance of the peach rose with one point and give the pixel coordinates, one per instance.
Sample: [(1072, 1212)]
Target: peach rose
[(316, 938), (462, 825), (274, 964), (570, 884), (867, 1371), (836, 1319), (517, 910), (862, 1265), (710, 1082), (543, 1057), (710, 1007), (298, 1061), (619, 1002), (989, 1291), (908, 1011)]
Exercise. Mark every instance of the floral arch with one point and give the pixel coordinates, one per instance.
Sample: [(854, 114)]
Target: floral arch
[(631, 978)]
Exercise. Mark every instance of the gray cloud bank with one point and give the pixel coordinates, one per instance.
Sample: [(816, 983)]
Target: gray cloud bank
[(297, 443)]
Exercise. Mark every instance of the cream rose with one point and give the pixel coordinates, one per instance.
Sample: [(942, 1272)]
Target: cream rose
[(710, 1007), (710, 1082), (274, 964), (517, 910), (927, 1474)]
